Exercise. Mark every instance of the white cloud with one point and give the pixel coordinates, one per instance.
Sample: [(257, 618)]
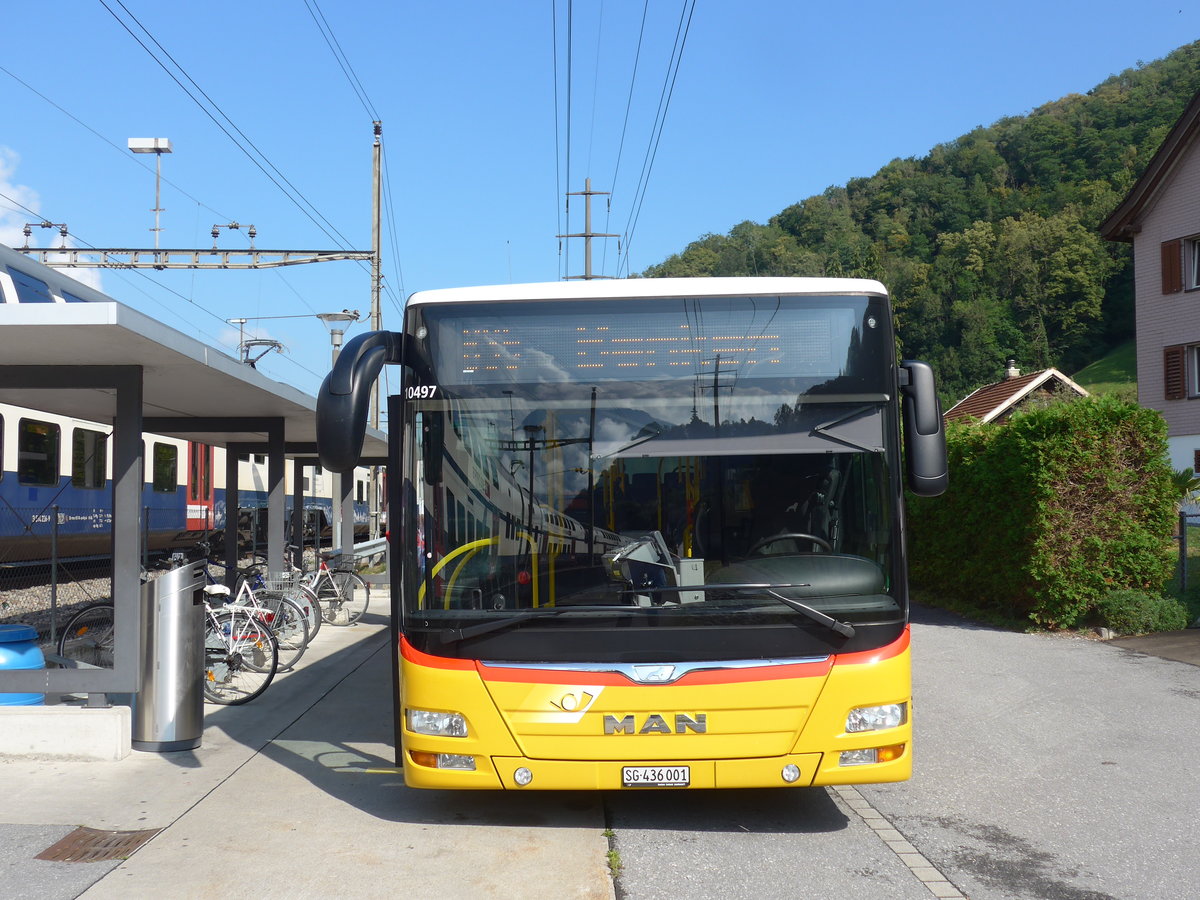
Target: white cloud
[(13, 218)]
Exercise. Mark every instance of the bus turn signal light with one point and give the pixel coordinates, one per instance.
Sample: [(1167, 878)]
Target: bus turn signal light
[(874, 755)]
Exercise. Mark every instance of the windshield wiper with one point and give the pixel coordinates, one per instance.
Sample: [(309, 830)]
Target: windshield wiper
[(845, 629), (462, 634)]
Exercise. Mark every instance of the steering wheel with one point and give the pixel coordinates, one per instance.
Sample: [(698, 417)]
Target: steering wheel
[(794, 535)]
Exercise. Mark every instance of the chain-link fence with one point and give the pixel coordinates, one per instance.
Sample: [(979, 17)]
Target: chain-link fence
[(53, 562)]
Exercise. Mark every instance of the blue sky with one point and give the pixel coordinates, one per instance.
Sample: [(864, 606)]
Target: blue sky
[(770, 102)]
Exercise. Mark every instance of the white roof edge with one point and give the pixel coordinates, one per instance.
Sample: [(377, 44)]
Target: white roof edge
[(201, 352), (623, 288), (1042, 377), (115, 314)]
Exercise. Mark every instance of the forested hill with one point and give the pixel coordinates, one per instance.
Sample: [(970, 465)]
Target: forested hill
[(989, 244)]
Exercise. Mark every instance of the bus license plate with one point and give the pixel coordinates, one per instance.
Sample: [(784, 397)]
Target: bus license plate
[(656, 776)]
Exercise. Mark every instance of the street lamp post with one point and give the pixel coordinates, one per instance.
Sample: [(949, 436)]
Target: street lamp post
[(336, 323), (157, 146)]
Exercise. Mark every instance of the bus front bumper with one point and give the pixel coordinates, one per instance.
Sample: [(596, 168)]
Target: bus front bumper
[(519, 773)]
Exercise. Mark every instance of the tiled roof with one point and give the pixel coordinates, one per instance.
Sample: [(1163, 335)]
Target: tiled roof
[(993, 400)]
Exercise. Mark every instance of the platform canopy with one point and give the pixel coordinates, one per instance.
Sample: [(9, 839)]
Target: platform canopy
[(183, 377)]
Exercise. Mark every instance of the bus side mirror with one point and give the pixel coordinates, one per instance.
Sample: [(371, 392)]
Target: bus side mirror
[(433, 426), (926, 465)]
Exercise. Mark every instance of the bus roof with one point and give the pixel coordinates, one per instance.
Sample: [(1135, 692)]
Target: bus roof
[(622, 288)]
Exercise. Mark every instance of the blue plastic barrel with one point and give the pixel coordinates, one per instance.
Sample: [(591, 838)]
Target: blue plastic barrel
[(19, 650)]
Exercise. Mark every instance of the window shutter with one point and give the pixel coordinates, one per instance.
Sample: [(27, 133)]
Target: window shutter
[(1175, 372), (1172, 267)]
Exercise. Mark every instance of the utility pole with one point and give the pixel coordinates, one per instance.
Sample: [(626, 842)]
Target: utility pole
[(587, 234), (716, 389), (376, 310)]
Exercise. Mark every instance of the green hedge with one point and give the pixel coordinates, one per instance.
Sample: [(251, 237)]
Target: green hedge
[(1049, 511)]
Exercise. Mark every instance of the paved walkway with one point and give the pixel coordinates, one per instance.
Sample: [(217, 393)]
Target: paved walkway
[(295, 795)]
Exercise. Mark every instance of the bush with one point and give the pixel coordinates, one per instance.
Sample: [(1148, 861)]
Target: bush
[(1139, 612), (1049, 511)]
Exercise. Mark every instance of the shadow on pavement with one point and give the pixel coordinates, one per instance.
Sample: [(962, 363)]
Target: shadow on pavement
[(759, 811)]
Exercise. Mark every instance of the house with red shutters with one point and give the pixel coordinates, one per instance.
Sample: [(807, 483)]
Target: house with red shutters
[(1160, 217)]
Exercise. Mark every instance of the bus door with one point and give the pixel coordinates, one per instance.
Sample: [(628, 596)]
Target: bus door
[(199, 487)]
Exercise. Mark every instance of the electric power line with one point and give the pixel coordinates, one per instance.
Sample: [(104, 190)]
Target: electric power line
[(335, 48), (291, 192), (664, 104)]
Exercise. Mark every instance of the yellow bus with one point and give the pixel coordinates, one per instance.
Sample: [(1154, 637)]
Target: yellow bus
[(648, 532)]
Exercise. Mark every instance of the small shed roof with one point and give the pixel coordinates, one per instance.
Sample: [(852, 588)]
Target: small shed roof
[(992, 401)]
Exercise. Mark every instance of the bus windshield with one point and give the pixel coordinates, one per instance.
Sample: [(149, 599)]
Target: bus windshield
[(689, 479)]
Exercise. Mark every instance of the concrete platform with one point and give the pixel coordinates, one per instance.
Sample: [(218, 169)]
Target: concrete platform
[(295, 795), (66, 732)]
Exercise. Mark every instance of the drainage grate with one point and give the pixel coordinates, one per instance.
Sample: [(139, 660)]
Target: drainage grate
[(93, 845)]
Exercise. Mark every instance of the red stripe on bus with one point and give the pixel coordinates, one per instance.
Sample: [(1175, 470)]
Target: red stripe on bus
[(869, 657), (413, 655)]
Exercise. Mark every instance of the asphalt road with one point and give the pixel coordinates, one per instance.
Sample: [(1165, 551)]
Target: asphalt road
[(1047, 767)]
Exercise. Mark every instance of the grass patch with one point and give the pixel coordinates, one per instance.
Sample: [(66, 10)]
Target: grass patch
[(1115, 373), (614, 863)]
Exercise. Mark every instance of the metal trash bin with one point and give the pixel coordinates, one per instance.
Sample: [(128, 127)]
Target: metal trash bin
[(168, 711)]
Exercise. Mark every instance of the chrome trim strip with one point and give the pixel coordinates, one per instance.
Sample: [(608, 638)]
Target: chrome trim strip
[(630, 670)]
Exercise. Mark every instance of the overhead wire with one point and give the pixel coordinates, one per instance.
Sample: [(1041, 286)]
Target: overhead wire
[(558, 191), (343, 61), (637, 56), (125, 154), (290, 191), (664, 104), (570, 45), (595, 87), (335, 48), (120, 272)]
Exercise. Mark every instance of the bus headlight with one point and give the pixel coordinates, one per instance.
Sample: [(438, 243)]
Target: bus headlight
[(873, 718), (439, 724)]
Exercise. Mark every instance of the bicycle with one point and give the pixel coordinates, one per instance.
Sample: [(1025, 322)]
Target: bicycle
[(286, 620), (343, 595), (241, 655), (286, 584), (89, 636)]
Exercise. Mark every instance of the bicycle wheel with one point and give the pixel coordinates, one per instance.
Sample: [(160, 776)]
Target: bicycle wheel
[(89, 636), (289, 625), (240, 658), (344, 598), (306, 598)]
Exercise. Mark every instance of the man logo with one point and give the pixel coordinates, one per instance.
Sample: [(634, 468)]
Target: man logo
[(656, 724), (573, 702)]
